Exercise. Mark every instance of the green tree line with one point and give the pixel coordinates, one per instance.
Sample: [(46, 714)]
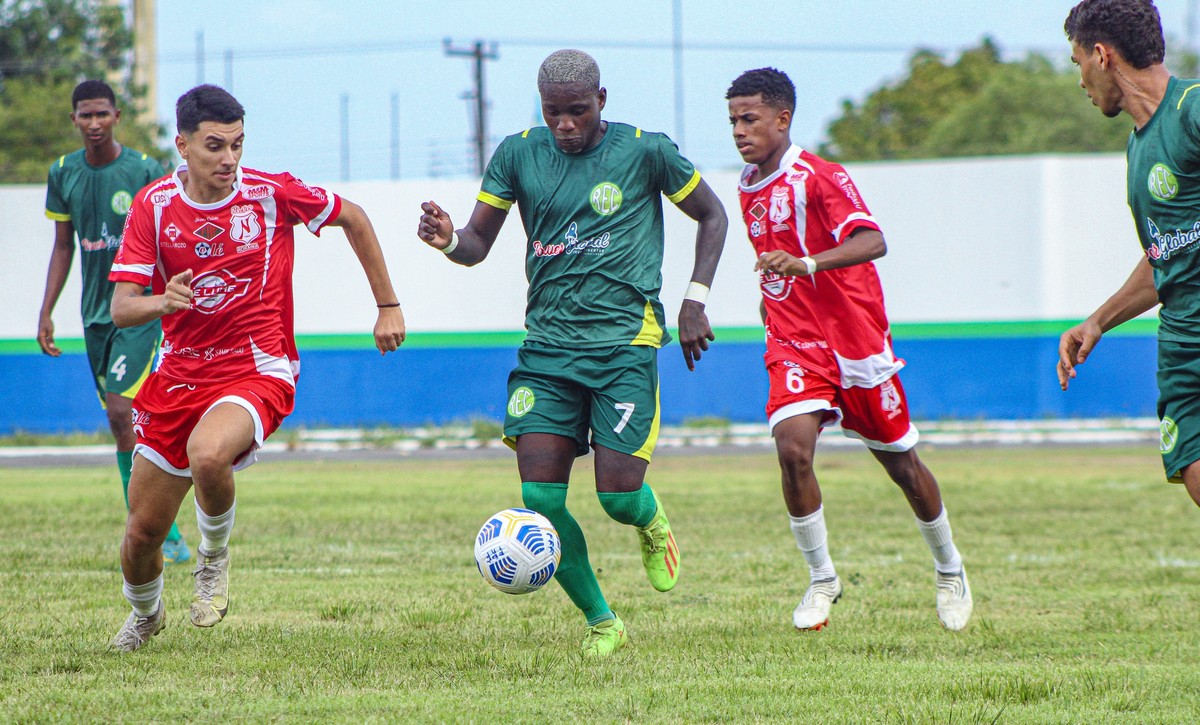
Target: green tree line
[(46, 48)]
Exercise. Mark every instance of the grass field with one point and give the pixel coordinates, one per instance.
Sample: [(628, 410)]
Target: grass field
[(355, 598)]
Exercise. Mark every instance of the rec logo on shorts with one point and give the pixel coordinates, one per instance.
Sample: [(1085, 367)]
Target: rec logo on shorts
[(521, 402), (1169, 432)]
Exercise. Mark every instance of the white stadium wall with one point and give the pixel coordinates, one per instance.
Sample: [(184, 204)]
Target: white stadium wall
[(987, 258), (1021, 238)]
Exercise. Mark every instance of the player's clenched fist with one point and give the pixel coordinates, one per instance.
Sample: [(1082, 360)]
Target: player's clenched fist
[(178, 295), (435, 227)]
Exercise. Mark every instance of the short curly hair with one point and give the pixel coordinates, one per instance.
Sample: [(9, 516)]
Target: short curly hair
[(1132, 27), (776, 88)]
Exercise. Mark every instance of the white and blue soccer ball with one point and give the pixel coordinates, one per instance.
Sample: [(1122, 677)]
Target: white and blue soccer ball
[(517, 551)]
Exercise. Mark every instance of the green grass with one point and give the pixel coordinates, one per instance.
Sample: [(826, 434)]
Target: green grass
[(355, 598)]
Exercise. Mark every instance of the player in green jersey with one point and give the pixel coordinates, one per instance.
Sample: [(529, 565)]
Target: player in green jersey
[(88, 194), (590, 197), (1118, 46)]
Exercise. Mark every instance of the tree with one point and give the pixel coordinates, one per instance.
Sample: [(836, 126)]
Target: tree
[(46, 48), (977, 106)]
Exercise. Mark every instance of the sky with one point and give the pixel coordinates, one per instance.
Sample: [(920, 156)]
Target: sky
[(300, 66)]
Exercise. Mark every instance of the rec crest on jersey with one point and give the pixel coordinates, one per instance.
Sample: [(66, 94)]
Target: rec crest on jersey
[(1162, 183), (606, 198), (121, 202), (244, 227)]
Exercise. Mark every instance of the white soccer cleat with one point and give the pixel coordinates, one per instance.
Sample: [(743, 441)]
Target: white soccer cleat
[(954, 603), (813, 611), (211, 600), (137, 631)]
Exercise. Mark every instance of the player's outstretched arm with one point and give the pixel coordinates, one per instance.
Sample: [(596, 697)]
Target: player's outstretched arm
[(130, 306), (863, 245), (389, 324), (695, 332), (467, 246), (1136, 296), (56, 277)]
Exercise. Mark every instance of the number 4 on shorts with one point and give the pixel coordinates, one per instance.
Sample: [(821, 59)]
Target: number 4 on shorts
[(118, 368)]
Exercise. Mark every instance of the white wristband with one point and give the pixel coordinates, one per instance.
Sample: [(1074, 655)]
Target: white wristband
[(810, 264), (452, 245), (696, 292)]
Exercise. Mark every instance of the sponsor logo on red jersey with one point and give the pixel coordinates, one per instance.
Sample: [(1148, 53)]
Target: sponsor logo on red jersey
[(214, 291), (208, 231), (258, 192)]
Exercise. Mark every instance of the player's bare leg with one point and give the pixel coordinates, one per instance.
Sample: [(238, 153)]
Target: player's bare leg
[(954, 601), (120, 422), (154, 498), (1191, 480), (795, 444), (220, 438)]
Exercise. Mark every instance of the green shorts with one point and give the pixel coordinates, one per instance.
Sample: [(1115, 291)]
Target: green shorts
[(121, 358), (611, 392), (1179, 406)]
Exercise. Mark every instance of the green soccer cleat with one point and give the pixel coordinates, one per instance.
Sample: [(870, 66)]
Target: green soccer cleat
[(137, 631), (660, 553), (176, 552), (604, 638), (211, 600)]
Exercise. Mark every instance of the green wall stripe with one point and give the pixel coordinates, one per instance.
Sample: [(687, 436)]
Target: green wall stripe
[(901, 331)]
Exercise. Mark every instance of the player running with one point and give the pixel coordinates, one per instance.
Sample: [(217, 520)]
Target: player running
[(88, 194), (829, 353), (216, 242), (1119, 48), (590, 196)]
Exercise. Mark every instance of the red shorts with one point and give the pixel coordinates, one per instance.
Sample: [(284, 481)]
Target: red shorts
[(878, 415), (166, 411)]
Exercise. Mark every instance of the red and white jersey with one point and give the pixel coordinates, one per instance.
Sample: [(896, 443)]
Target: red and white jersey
[(240, 251), (806, 207)]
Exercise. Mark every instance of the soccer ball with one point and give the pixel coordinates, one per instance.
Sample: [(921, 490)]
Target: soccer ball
[(517, 551)]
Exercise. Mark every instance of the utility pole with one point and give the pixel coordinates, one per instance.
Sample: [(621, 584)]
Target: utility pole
[(677, 57), (479, 55)]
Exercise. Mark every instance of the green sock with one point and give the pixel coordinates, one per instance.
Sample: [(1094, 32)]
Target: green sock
[(631, 507), (125, 466), (574, 573)]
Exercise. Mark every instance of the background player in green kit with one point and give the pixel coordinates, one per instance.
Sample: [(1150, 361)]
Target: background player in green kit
[(1118, 46), (88, 193), (590, 196)]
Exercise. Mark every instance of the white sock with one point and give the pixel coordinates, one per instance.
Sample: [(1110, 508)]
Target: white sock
[(811, 538), (214, 530), (144, 597), (936, 533)]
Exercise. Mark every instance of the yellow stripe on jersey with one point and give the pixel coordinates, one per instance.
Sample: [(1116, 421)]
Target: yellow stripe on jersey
[(58, 217), (652, 439), (61, 159), (637, 133), (493, 200), (687, 188), (651, 333), (525, 134), (1189, 90)]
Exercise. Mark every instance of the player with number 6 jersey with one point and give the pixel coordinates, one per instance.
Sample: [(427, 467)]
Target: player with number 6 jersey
[(829, 351)]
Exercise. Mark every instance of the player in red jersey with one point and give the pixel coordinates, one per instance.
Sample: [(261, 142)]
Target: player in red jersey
[(829, 352), (214, 242)]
